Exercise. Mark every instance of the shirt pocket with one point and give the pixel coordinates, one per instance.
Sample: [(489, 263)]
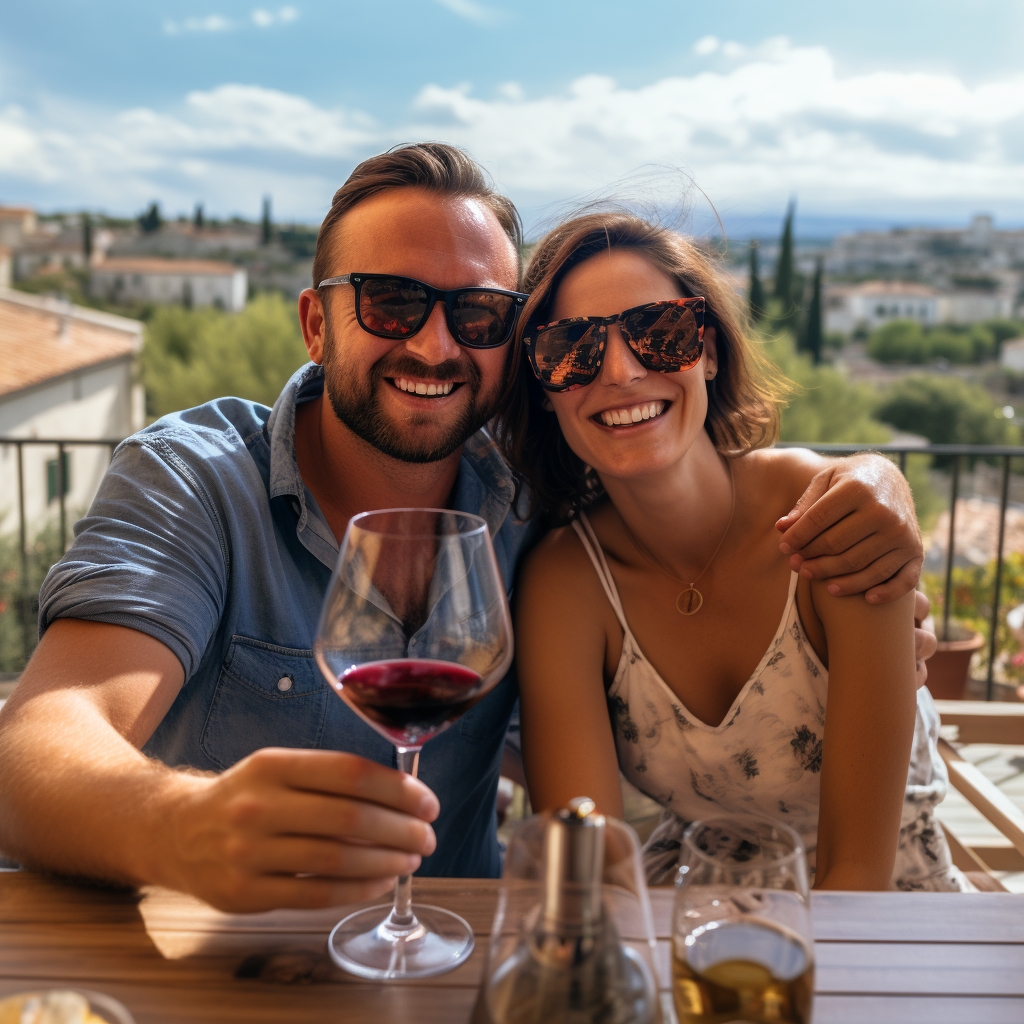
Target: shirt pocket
[(266, 696)]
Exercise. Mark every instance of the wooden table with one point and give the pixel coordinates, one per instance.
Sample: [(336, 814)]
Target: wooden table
[(882, 957)]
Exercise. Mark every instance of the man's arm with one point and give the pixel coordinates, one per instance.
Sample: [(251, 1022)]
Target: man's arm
[(856, 527), (281, 828)]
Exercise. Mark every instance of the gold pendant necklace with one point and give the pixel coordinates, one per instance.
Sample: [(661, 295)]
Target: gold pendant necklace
[(690, 599)]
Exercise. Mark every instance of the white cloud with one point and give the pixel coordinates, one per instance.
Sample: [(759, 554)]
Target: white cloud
[(471, 11), (210, 23), (780, 121), (262, 18), (706, 46)]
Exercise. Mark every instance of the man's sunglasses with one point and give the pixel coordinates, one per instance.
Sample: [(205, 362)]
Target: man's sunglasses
[(665, 336), (397, 307)]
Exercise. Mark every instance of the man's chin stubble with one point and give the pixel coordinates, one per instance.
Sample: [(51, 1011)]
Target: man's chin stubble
[(365, 418)]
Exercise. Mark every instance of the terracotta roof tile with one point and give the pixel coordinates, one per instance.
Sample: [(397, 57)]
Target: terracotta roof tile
[(43, 338), (155, 265)]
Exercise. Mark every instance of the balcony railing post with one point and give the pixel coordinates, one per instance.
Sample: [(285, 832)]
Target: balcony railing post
[(60, 496), (994, 622), (23, 599), (954, 489)]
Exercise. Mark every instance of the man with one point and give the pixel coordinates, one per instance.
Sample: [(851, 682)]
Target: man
[(172, 727)]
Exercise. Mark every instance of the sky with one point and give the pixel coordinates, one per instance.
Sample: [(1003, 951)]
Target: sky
[(875, 114)]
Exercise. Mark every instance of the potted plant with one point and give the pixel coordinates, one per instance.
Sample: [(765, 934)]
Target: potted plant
[(949, 667)]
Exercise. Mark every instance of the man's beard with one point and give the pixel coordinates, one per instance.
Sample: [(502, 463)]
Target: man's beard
[(357, 403)]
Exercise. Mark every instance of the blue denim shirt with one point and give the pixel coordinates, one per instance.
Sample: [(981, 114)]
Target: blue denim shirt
[(203, 535)]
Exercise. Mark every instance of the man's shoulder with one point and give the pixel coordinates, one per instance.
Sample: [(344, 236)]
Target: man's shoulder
[(222, 424)]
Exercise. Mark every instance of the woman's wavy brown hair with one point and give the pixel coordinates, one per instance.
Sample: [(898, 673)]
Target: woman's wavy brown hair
[(743, 397)]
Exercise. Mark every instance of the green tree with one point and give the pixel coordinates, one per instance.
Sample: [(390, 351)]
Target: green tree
[(825, 407), (151, 221), (900, 341), (194, 355), (946, 410), (19, 595), (267, 227), (1002, 330), (784, 271), (758, 301), (197, 219), (813, 334)]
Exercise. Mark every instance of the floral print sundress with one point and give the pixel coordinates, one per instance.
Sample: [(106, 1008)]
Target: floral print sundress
[(765, 755)]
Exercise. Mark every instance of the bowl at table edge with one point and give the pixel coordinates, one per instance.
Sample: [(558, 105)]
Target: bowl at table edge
[(110, 1009)]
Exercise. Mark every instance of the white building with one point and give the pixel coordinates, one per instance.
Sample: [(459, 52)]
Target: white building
[(1011, 354), (66, 373), (16, 224), (186, 282), (874, 303)]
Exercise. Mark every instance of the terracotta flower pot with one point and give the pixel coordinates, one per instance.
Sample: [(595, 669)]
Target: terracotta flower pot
[(949, 666)]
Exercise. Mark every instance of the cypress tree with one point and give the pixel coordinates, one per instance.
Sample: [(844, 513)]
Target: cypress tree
[(784, 267), (813, 331), (150, 221), (757, 297), (267, 225), (197, 220), (87, 238)]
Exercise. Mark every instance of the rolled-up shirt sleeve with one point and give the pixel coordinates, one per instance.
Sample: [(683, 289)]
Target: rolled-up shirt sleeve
[(151, 553)]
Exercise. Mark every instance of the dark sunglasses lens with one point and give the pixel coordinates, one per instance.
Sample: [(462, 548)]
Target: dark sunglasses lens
[(666, 338), (392, 306), (483, 319), (569, 355)]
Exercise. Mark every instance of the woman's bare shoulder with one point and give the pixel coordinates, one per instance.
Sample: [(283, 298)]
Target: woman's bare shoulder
[(785, 472), (557, 561)]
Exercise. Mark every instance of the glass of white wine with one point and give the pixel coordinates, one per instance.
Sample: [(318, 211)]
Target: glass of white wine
[(742, 948)]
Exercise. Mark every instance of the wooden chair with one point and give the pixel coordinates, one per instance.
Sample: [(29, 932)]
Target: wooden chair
[(994, 722)]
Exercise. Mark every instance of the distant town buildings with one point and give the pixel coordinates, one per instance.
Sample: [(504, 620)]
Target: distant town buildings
[(933, 276), (979, 249), (182, 282), (68, 373)]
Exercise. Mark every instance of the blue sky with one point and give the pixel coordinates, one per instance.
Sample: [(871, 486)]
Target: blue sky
[(898, 112)]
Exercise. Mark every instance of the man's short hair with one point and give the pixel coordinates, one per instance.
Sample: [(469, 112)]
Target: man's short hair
[(435, 166)]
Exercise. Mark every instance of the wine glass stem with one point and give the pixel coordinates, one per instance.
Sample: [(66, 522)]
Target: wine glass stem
[(401, 913)]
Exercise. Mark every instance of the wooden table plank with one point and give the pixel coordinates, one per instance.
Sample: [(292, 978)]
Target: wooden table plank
[(170, 958), (856, 1009), (897, 916), (256, 1003)]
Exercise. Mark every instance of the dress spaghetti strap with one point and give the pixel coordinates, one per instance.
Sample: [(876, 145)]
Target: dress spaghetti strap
[(592, 546)]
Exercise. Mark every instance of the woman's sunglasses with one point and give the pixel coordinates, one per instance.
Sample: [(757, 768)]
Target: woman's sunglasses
[(397, 307), (665, 336)]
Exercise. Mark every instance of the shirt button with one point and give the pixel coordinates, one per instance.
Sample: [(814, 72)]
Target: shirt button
[(284, 683)]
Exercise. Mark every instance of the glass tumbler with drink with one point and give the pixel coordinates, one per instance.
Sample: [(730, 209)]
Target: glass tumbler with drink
[(742, 949), (414, 630)]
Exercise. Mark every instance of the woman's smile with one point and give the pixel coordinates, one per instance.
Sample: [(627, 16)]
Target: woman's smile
[(631, 415)]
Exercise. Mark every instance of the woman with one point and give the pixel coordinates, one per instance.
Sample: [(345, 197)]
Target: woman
[(663, 632)]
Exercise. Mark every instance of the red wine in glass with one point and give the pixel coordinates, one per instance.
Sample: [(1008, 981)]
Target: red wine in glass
[(409, 700), (415, 629)]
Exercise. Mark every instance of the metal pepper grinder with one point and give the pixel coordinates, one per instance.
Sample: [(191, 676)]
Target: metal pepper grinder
[(571, 967)]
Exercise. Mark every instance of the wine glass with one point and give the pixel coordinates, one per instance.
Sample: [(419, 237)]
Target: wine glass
[(414, 630), (742, 948)]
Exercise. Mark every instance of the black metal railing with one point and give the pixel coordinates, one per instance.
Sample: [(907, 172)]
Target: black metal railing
[(954, 453), (61, 444)]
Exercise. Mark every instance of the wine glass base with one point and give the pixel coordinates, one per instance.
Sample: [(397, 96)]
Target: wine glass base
[(368, 944)]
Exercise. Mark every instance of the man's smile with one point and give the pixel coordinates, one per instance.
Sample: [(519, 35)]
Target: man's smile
[(424, 388)]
